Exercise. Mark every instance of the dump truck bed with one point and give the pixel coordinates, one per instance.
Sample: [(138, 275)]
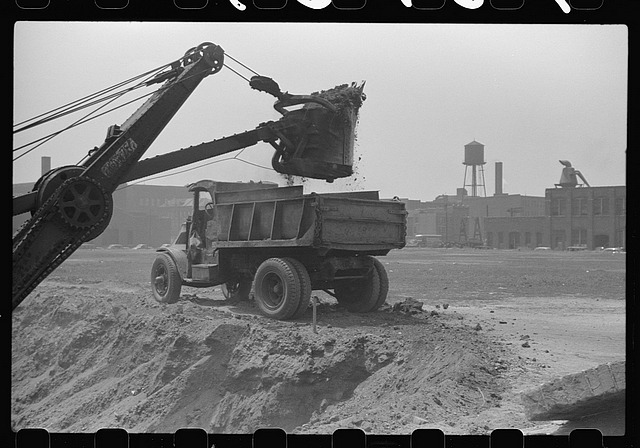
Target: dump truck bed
[(285, 217)]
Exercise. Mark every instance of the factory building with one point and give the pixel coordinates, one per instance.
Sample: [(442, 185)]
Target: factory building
[(588, 217), (437, 221), (577, 216), (516, 232), (572, 215), (462, 218), (139, 215), (580, 218)]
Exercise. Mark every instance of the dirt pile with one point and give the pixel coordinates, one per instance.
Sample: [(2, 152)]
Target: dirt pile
[(86, 356)]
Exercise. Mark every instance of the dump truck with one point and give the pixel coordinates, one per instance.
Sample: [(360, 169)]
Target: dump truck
[(285, 244)]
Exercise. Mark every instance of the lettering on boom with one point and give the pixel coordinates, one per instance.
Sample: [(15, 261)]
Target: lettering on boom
[(119, 158)]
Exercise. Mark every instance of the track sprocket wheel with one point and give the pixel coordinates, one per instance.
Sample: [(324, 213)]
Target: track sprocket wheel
[(83, 203)]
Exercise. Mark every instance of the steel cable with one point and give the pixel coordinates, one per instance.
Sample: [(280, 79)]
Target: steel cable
[(67, 109), (108, 94), (84, 101), (186, 170)]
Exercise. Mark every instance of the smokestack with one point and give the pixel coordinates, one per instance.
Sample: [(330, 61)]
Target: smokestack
[(45, 165), (498, 179)]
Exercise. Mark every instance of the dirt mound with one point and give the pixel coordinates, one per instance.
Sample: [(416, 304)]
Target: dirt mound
[(86, 356)]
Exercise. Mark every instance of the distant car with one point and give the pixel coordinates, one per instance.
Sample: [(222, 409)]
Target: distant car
[(613, 250), (542, 248), (115, 246), (142, 246), (412, 243)]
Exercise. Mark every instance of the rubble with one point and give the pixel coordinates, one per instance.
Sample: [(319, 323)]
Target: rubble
[(408, 306)]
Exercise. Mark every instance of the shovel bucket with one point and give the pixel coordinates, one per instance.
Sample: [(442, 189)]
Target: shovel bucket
[(318, 140)]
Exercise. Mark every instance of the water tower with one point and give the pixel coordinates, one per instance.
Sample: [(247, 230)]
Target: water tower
[(474, 159)]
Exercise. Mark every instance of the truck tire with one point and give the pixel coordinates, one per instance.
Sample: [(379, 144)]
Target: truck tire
[(166, 282), (237, 290), (365, 294), (384, 284), (277, 288), (305, 287)]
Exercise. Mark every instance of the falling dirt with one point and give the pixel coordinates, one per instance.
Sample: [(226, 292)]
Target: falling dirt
[(92, 349)]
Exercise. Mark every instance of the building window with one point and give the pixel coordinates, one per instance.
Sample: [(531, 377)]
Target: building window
[(578, 237), (558, 206), (514, 240), (579, 206), (618, 238), (601, 206), (558, 239), (442, 226), (620, 206)]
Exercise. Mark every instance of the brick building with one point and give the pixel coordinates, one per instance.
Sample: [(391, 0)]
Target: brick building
[(587, 216), (582, 217), (516, 232), (463, 218)]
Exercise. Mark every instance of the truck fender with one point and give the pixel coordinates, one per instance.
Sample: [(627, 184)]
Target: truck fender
[(179, 256)]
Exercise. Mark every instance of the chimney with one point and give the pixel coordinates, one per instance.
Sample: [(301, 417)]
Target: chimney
[(498, 179), (45, 165)]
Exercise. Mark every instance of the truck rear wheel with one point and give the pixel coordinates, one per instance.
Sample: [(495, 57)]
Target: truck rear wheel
[(166, 282), (305, 287), (365, 294), (384, 284), (277, 288)]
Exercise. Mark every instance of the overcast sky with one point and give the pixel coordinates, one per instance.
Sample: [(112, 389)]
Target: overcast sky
[(532, 94)]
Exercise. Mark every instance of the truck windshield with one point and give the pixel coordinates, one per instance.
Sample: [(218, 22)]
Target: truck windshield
[(204, 199)]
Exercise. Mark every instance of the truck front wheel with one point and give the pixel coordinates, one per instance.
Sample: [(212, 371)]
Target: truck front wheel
[(165, 279), (277, 288), (364, 294)]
